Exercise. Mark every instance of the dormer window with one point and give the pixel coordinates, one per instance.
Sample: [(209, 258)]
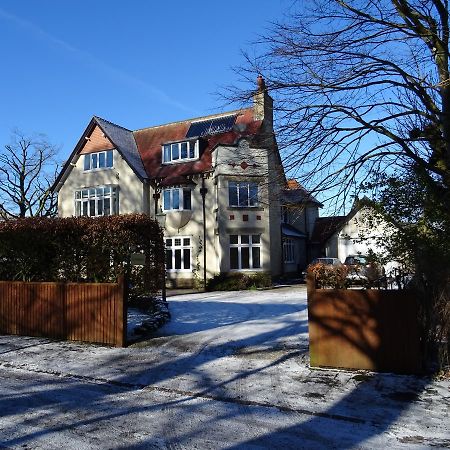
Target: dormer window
[(99, 160), (180, 151)]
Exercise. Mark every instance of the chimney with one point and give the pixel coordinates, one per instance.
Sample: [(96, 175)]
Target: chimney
[(293, 184), (263, 104)]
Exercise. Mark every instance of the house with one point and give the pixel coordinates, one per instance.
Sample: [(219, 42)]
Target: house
[(216, 184), (361, 231), (300, 211)]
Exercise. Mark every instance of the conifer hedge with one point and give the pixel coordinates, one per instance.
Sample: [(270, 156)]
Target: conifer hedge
[(84, 249)]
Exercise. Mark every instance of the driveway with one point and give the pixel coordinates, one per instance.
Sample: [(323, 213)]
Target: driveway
[(229, 322), (230, 371)]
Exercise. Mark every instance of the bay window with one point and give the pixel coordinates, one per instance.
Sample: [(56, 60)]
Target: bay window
[(177, 199), (242, 193)]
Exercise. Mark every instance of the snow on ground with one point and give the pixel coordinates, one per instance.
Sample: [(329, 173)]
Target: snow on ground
[(229, 371), (135, 319)]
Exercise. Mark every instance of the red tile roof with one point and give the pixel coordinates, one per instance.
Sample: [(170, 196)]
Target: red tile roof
[(149, 142)]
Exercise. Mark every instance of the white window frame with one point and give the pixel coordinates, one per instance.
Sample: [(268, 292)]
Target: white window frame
[(288, 250), (238, 186), (170, 149), (250, 245), (178, 243), (85, 196), (181, 197), (90, 156)]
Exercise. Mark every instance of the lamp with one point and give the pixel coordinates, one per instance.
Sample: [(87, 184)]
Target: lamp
[(161, 219)]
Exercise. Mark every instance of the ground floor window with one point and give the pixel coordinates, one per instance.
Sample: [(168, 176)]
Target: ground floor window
[(97, 201), (178, 253), (245, 251), (289, 250)]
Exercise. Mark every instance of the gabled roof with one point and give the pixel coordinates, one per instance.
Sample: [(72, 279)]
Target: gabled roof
[(124, 142), (120, 137), (325, 227)]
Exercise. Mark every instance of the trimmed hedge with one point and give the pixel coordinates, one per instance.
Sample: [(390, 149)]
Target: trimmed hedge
[(78, 249), (239, 281), (328, 276)]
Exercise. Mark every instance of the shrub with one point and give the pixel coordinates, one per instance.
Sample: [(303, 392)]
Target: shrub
[(239, 282), (329, 276), (83, 249)]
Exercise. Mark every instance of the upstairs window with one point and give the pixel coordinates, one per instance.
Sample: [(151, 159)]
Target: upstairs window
[(243, 193), (99, 160), (177, 199), (180, 151), (97, 201)]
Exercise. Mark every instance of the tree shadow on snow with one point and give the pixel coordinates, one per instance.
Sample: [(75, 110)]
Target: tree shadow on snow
[(80, 404), (194, 316)]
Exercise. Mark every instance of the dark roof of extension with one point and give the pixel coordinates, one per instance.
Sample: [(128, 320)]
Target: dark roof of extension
[(325, 227), (123, 140)]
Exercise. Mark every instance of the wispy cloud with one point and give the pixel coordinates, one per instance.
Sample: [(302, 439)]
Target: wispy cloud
[(92, 60)]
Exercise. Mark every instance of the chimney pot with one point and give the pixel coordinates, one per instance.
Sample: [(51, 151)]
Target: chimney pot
[(261, 83), (263, 105)]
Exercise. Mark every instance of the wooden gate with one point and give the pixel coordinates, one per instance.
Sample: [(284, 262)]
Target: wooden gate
[(91, 312), (363, 329)]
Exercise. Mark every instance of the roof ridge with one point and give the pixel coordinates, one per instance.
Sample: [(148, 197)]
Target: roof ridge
[(112, 123), (198, 119)]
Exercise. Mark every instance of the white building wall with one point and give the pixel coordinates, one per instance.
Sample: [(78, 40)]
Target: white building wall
[(190, 224), (362, 234), (133, 194)]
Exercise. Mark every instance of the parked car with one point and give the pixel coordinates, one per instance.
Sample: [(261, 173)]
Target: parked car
[(327, 261), (360, 270)]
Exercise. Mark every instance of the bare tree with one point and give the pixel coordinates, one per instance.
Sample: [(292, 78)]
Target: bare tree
[(360, 87), (27, 172), (362, 92)]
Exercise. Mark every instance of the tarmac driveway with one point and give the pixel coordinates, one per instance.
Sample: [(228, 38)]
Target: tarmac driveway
[(230, 371)]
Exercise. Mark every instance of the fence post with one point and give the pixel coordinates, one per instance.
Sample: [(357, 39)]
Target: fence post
[(121, 302), (310, 285)]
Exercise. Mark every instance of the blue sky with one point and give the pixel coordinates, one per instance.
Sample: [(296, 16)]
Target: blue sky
[(136, 63)]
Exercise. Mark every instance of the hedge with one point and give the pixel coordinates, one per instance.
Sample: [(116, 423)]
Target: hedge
[(83, 249)]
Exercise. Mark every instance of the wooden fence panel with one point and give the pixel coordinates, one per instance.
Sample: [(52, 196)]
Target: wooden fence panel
[(364, 329), (91, 312)]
